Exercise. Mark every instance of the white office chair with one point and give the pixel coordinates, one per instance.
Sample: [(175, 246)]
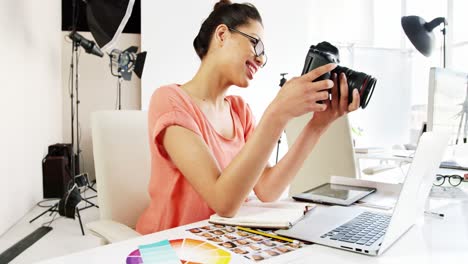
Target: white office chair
[(122, 164), (332, 156)]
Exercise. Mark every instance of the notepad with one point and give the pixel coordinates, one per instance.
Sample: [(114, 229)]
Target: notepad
[(275, 215)]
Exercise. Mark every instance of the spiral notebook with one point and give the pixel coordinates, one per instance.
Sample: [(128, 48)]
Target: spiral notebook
[(277, 215)]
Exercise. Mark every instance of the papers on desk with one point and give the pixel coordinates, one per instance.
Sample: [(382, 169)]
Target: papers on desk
[(265, 215), (248, 245), (448, 192)]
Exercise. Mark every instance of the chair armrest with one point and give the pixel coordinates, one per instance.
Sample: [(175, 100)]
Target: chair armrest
[(111, 231)]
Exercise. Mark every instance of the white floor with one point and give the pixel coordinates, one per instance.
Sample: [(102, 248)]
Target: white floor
[(65, 237)]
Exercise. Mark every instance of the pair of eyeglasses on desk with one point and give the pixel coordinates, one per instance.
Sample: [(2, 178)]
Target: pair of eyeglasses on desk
[(454, 180)]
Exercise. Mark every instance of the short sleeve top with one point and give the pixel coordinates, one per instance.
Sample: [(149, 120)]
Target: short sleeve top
[(174, 201)]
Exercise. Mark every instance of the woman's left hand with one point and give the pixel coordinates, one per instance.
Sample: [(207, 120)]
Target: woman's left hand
[(338, 106)]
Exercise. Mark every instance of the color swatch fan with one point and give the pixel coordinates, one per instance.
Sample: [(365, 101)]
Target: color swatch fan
[(186, 251)]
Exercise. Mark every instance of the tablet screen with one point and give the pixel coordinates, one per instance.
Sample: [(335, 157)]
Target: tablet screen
[(338, 191), (335, 194)]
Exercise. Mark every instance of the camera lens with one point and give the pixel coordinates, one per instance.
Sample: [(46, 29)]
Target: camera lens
[(363, 82)]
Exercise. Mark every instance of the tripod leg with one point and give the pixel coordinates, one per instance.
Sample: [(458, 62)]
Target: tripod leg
[(79, 219), (93, 204), (89, 186), (51, 210)]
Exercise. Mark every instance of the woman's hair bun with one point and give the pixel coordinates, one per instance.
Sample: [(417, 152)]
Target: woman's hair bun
[(227, 13), (221, 3)]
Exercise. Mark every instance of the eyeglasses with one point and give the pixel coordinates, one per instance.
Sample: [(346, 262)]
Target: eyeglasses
[(454, 180), (257, 44)]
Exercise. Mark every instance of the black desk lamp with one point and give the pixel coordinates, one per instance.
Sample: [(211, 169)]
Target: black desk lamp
[(420, 33)]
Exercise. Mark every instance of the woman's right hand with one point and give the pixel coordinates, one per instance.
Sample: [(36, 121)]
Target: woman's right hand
[(300, 95)]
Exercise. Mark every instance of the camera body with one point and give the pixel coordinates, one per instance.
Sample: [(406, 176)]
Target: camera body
[(319, 55), (324, 53)]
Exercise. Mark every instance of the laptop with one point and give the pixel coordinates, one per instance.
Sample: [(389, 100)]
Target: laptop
[(371, 232)]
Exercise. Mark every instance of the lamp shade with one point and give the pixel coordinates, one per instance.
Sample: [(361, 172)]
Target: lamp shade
[(420, 32), (415, 30)]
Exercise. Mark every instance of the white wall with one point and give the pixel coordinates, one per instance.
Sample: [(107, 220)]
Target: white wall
[(97, 90), (30, 101), (168, 32), (290, 28)]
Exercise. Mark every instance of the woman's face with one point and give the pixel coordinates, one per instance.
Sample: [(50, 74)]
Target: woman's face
[(238, 59)]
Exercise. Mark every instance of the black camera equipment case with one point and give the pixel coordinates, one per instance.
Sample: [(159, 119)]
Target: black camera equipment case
[(56, 170)]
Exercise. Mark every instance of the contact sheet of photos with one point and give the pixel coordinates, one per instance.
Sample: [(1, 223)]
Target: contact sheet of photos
[(251, 246)]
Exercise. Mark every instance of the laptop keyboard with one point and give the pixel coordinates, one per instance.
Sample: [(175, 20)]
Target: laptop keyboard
[(364, 229)]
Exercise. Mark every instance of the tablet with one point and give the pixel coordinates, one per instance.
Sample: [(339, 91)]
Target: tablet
[(334, 194)]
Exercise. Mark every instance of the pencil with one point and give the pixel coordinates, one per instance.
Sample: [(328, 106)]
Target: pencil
[(265, 234)]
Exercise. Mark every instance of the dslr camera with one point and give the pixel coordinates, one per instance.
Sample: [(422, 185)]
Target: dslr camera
[(324, 53)]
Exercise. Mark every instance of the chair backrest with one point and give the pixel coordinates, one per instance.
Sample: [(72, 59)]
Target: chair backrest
[(332, 156), (122, 163)]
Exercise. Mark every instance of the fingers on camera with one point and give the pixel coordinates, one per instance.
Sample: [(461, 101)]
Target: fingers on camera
[(343, 91), (356, 101), (323, 95), (321, 85), (314, 74)]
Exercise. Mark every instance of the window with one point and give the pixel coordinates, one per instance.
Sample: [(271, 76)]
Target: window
[(460, 36)]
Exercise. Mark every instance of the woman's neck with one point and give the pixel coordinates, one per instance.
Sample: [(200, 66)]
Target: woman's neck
[(208, 85)]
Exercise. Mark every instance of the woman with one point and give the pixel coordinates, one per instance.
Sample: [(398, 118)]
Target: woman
[(207, 153)]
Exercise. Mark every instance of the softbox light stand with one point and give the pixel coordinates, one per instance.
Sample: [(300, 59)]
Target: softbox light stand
[(74, 168)]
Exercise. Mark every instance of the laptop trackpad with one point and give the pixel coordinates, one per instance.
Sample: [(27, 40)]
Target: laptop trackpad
[(320, 221)]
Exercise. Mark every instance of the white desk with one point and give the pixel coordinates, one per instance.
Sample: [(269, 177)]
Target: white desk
[(387, 160), (431, 240), (405, 156), (383, 156)]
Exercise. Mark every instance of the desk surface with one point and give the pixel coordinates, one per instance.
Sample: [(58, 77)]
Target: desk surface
[(430, 240)]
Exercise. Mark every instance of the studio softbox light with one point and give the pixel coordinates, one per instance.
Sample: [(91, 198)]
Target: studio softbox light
[(107, 19)]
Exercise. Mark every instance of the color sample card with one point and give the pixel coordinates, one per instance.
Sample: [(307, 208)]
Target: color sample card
[(186, 250), (251, 246), (160, 252), (197, 251)]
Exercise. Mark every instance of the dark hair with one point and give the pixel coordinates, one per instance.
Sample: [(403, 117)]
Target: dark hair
[(224, 12)]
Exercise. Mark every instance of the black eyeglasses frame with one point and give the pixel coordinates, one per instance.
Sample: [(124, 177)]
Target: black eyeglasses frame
[(256, 42), (458, 177)]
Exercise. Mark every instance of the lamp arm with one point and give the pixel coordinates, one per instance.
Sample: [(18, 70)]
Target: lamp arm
[(434, 23)]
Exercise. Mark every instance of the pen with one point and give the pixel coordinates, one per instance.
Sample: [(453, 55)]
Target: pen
[(440, 215), (265, 234), (307, 209)]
